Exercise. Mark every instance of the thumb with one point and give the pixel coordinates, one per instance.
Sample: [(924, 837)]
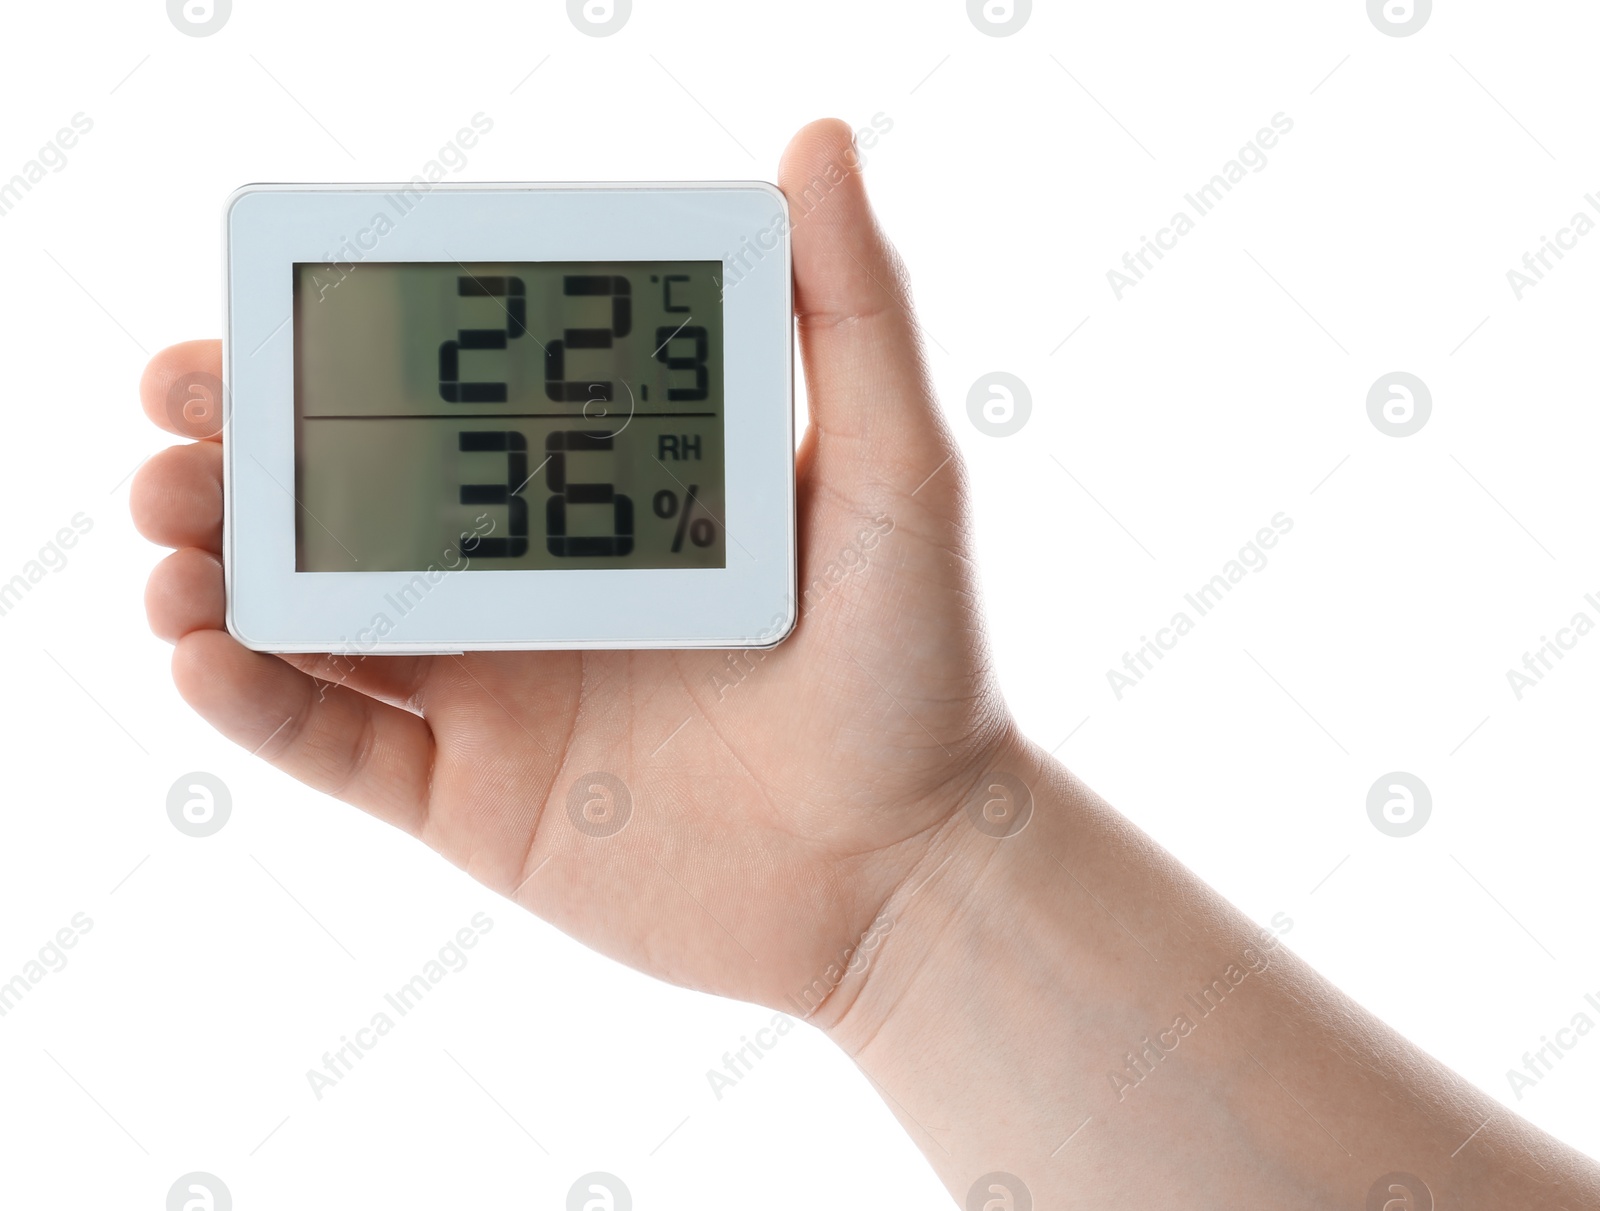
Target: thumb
[(866, 377)]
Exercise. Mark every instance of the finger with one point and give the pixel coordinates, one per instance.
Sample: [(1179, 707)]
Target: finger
[(866, 379), (176, 498), (401, 680), (182, 389), (185, 594), (333, 739)]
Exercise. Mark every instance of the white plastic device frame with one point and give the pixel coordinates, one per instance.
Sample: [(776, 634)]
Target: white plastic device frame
[(751, 602)]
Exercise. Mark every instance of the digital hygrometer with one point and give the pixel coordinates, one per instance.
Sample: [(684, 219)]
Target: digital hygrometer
[(508, 416)]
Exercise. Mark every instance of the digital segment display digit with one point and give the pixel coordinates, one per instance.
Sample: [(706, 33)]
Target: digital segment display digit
[(535, 416)]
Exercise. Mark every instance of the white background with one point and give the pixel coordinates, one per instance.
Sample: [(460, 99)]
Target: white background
[(1228, 386)]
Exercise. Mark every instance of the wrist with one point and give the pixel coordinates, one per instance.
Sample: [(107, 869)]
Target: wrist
[(1063, 1010), (964, 889), (967, 1016), (1019, 964)]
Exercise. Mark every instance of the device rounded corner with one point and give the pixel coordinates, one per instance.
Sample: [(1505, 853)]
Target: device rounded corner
[(784, 628), (230, 620), (231, 202), (777, 195)]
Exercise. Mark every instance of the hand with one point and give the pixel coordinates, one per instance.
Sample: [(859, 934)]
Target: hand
[(778, 798), (787, 805)]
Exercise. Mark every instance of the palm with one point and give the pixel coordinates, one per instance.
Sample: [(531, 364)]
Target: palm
[(766, 791), (769, 796)]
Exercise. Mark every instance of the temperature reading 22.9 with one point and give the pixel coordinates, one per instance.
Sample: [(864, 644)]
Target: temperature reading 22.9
[(594, 394), (528, 416)]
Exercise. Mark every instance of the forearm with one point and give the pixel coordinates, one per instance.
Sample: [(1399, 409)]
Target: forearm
[(1071, 1006)]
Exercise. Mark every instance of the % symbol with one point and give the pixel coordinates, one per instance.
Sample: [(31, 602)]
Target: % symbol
[(701, 530)]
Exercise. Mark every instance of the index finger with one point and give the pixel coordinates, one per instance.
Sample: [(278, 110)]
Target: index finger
[(182, 392)]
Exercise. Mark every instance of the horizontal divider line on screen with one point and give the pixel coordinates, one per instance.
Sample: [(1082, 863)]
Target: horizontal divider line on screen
[(500, 416)]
